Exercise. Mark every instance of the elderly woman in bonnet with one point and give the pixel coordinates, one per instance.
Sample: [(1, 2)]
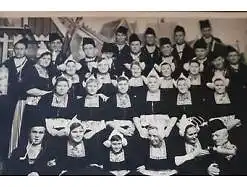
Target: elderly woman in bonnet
[(58, 106), (156, 153), (191, 154), (70, 70)]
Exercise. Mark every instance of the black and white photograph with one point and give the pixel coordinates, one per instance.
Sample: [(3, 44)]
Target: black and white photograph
[(123, 96)]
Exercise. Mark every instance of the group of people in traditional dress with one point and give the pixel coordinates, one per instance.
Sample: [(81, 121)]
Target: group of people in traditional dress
[(137, 108)]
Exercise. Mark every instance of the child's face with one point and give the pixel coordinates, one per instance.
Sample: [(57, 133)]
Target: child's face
[(220, 88), (135, 47), (116, 146), (182, 86), (166, 49), (153, 84), (89, 50), (77, 134), (166, 70), (136, 71), (233, 57), (92, 87), (123, 86), (194, 68), (200, 53), (179, 37), (70, 68), (218, 62), (103, 67)]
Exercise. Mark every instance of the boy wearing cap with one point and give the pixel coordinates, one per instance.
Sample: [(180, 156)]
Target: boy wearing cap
[(57, 46), (182, 52), (123, 50), (207, 37), (150, 50), (166, 55), (218, 64), (89, 63), (135, 54)]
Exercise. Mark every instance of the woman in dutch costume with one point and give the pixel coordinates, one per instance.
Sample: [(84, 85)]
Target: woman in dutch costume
[(37, 82), (91, 110), (117, 159), (57, 107), (70, 70)]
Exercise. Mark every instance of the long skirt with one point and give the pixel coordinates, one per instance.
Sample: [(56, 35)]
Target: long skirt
[(16, 125)]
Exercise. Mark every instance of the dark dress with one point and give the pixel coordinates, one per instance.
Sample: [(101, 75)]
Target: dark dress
[(74, 165), (18, 167), (195, 167), (48, 111), (157, 164), (150, 59), (118, 113), (144, 107), (194, 109), (85, 113), (31, 80), (130, 162)]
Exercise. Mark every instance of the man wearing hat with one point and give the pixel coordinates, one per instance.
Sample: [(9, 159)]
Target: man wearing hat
[(123, 50), (89, 63), (225, 157), (218, 64), (135, 54), (29, 159), (150, 50), (60, 50), (167, 56), (182, 52), (211, 41)]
